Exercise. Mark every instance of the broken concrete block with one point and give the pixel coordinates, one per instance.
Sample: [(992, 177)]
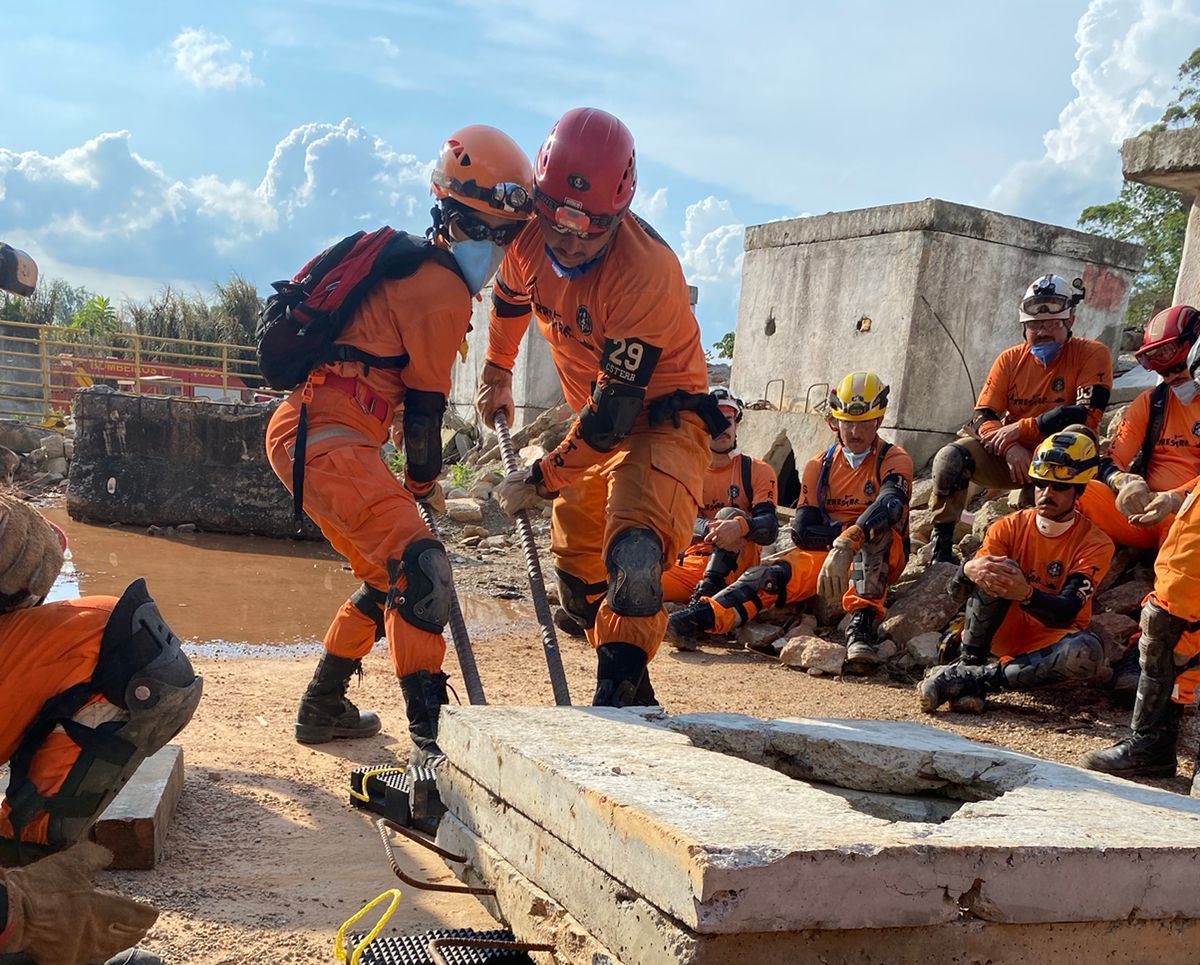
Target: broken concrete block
[(1124, 598), (925, 606), (923, 648), (464, 511)]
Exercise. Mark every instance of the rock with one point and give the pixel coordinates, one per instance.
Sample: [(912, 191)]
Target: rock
[(1114, 630), (470, 541), (1124, 558), (887, 649), (923, 648), (57, 466), (457, 492), (531, 453), (494, 542), (186, 528), (922, 492), (925, 607), (482, 489), (20, 437), (54, 446), (827, 613), (1124, 598), (472, 530), (464, 511), (552, 595), (155, 531), (806, 652), (69, 448), (968, 546), (988, 513), (757, 634)]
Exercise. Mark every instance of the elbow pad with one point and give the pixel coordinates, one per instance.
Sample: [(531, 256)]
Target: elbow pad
[(981, 418), (423, 434), (813, 530), (1060, 417), (1059, 610), (610, 416), (506, 303), (764, 524), (888, 508)]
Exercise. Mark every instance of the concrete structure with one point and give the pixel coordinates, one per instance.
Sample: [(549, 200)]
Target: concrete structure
[(1171, 159), (924, 293), (716, 838), (146, 460)]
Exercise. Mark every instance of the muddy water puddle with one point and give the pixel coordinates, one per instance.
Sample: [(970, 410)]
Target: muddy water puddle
[(231, 594)]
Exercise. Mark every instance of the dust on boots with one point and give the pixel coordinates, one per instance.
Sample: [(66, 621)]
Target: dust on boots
[(326, 713)]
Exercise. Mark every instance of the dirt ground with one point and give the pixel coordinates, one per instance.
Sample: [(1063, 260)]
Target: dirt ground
[(267, 858)]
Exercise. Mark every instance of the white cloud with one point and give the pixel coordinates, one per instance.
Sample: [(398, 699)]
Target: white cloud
[(209, 62), (653, 206), (1126, 53), (712, 242), (387, 45)]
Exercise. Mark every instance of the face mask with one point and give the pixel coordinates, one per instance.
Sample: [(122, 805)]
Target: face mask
[(1045, 352), (478, 261), (570, 274), (855, 459), (1054, 527), (1187, 391)]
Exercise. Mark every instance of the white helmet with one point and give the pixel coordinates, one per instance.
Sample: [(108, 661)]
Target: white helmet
[(726, 398), (1051, 296)]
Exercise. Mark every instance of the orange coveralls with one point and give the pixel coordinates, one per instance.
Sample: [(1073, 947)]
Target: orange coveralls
[(723, 488), (1047, 563), (1174, 461), (1177, 583), (363, 509), (44, 651), (608, 325), (849, 492)]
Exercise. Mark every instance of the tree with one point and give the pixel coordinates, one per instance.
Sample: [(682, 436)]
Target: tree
[(1153, 217), (96, 320), (724, 346)]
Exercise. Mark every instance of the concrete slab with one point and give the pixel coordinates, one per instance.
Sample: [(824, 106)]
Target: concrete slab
[(1165, 159), (725, 845), (134, 826)]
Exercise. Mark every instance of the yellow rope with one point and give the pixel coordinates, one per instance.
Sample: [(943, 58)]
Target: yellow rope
[(362, 795), (393, 895)]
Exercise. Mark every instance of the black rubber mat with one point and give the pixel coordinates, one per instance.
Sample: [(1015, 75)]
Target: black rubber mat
[(414, 949)]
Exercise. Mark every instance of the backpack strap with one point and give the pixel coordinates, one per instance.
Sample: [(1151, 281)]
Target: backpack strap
[(823, 482), (747, 480), (1159, 398)]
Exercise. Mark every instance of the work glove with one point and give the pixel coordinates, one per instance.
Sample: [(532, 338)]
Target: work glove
[(1133, 493), (1161, 506), (31, 554), (431, 494), (494, 394), (834, 579), (522, 489), (57, 917)]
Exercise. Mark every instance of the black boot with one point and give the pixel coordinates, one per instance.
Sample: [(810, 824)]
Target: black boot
[(134, 956), (424, 694), (862, 642), (622, 679), (685, 627), (943, 543), (959, 681), (567, 623), (1127, 672), (326, 713), (722, 564)]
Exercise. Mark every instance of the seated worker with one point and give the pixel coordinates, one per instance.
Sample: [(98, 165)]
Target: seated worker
[(1047, 560), (1157, 443), (1170, 643), (1048, 382), (849, 531), (737, 518)]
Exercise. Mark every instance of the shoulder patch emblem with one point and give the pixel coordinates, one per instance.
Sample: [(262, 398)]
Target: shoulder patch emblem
[(1055, 569), (583, 320)]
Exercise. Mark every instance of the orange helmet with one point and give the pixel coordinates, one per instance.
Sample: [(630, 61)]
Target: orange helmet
[(484, 169)]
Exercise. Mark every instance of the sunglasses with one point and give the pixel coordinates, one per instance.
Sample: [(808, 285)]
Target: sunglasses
[(479, 230), (1043, 324)]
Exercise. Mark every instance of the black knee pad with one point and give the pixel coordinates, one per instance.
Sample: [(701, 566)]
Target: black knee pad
[(1077, 656), (581, 600), (981, 620), (425, 600), (870, 570), (635, 567), (765, 585), (370, 602), (953, 467)]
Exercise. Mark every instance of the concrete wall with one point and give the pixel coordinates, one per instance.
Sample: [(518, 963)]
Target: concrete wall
[(535, 382), (143, 460), (939, 284)]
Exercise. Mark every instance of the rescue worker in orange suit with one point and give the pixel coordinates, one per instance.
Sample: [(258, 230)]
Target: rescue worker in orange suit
[(737, 518), (849, 530), (1048, 382), (1028, 591), (1157, 443), (89, 689), (627, 480), (1170, 643), (482, 184)]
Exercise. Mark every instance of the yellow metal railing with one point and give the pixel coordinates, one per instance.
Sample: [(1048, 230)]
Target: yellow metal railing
[(43, 366)]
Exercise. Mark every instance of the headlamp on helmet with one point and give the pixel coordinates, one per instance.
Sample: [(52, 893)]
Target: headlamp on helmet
[(859, 397)]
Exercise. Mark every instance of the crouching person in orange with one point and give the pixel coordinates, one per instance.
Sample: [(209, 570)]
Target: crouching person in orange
[(390, 368), (611, 300), (1029, 588), (849, 532), (737, 518), (1170, 644), (1156, 447)]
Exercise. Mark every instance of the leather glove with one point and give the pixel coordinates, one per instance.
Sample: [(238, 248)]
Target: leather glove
[(1161, 506), (1133, 493), (834, 580), (31, 554), (522, 489), (431, 494), (57, 917), (494, 394)]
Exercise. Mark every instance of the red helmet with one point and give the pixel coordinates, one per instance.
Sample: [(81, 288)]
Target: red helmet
[(585, 174), (1168, 336)]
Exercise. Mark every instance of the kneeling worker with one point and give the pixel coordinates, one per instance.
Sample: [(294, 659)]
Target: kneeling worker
[(1048, 561), (849, 532), (736, 520)]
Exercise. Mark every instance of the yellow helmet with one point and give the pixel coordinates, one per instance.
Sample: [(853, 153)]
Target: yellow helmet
[(1069, 456), (861, 396)]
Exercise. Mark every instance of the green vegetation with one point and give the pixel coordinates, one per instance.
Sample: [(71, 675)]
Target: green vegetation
[(724, 346)]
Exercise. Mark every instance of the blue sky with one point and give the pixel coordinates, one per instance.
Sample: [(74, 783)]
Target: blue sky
[(142, 143)]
